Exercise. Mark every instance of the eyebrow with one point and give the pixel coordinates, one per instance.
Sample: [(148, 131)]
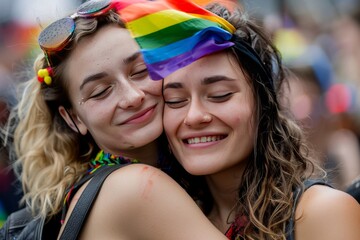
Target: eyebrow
[(100, 75), (174, 85), (205, 81), (132, 58), (215, 79), (92, 78)]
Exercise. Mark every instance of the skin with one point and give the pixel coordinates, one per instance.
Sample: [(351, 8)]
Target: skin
[(204, 100), (225, 108), (326, 213), (112, 95), (141, 202), (198, 107), (122, 109)]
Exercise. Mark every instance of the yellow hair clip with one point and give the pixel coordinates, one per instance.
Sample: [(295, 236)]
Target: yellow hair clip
[(44, 75)]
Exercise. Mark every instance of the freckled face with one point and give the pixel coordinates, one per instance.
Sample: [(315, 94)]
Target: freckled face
[(209, 114), (111, 92)]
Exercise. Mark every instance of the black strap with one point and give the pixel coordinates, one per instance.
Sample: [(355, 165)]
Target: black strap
[(307, 184), (82, 207)]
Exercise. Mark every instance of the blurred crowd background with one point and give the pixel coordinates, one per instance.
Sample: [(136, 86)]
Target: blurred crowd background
[(319, 41)]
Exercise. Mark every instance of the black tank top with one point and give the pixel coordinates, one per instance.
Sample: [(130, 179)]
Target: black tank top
[(290, 226), (307, 184)]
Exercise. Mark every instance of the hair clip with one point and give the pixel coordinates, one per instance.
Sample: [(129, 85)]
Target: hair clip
[(44, 75)]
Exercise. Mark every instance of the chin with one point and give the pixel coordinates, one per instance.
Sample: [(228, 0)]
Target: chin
[(148, 136), (198, 170)]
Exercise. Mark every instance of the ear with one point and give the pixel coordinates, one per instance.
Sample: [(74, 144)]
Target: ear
[(72, 120)]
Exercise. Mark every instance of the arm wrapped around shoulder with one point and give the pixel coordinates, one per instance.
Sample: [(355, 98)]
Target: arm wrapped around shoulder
[(141, 202)]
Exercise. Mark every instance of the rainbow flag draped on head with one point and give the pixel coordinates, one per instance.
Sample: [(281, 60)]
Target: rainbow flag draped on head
[(173, 33)]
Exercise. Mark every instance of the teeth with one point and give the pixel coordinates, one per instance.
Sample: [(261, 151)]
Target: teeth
[(196, 140)]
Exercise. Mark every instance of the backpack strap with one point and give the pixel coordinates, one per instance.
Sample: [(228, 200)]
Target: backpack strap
[(297, 193), (78, 216)]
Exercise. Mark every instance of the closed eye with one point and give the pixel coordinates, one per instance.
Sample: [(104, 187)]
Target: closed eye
[(101, 93), (176, 103), (139, 72), (221, 97)]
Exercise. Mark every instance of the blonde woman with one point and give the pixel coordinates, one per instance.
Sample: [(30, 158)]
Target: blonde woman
[(92, 104)]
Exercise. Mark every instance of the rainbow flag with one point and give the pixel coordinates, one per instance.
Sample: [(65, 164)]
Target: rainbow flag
[(173, 33)]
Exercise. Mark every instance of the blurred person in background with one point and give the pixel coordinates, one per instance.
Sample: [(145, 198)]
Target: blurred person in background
[(9, 193), (18, 31), (322, 108), (346, 32), (317, 96), (10, 190)]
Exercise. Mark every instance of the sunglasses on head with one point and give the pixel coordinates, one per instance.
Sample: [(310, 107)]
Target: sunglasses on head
[(58, 34)]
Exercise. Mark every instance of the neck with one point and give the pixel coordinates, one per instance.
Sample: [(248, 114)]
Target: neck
[(147, 154), (224, 189)]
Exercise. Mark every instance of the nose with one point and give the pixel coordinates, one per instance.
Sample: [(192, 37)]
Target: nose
[(131, 96), (197, 115)]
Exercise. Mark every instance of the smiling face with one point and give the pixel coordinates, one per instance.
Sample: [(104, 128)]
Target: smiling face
[(209, 114), (112, 95)]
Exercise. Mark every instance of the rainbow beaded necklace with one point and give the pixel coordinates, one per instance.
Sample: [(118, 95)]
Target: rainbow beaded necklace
[(107, 159)]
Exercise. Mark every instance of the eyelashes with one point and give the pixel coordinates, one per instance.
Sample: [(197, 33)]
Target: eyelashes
[(222, 97), (104, 87), (102, 93), (140, 74), (178, 102)]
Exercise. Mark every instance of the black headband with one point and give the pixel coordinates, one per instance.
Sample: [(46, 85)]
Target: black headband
[(251, 60)]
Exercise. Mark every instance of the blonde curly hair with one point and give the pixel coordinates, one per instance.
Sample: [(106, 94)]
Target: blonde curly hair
[(50, 156)]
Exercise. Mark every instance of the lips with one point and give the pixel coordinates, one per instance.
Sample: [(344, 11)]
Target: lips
[(203, 139), (140, 116)]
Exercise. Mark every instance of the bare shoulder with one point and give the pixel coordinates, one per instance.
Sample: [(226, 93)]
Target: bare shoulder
[(119, 189), (137, 183), (136, 173), (142, 202), (327, 213)]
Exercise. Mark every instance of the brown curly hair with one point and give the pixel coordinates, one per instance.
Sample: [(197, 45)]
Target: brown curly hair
[(281, 161)]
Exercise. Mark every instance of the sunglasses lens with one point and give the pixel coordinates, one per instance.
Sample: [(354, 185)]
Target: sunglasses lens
[(56, 35), (91, 7)]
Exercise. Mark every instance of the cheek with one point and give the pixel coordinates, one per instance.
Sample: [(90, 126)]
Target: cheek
[(247, 123), (157, 87), (238, 117), (96, 113), (245, 117), (152, 87), (167, 120), (172, 121)]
